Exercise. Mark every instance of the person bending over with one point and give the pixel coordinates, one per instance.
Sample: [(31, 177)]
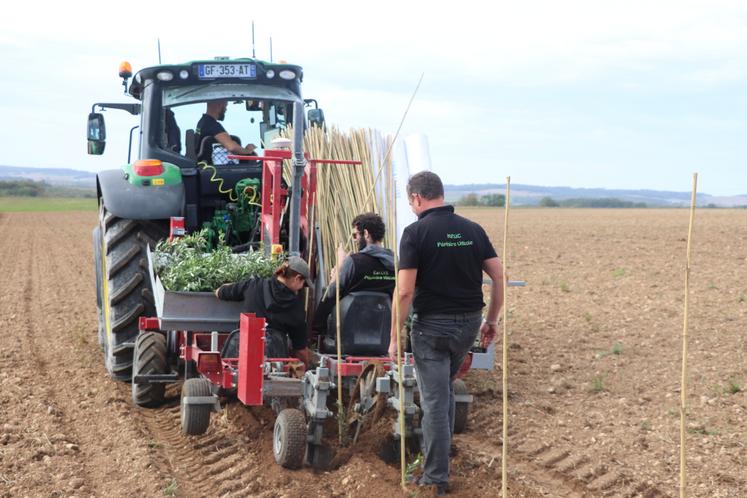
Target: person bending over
[(278, 301)]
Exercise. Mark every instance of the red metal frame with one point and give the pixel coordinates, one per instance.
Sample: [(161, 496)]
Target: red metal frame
[(274, 195), (354, 365), (148, 324), (252, 350)]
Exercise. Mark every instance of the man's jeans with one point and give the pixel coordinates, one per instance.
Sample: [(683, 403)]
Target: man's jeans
[(440, 342)]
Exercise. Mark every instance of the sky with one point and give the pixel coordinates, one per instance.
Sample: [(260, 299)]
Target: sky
[(611, 94)]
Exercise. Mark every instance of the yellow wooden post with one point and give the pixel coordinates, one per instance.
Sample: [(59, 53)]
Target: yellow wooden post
[(504, 455), (683, 386)]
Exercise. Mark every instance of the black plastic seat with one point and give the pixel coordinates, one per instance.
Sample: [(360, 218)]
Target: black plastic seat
[(365, 319)]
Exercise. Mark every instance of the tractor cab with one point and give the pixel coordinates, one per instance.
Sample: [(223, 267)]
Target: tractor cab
[(216, 189)]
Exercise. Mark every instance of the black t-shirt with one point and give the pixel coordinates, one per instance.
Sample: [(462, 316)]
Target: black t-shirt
[(207, 126), (448, 251)]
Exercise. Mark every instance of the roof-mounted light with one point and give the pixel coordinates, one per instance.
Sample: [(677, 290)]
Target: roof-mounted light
[(125, 69), (287, 74), (148, 167), (165, 75)]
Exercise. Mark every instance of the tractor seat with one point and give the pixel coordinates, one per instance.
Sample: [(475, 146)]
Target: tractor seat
[(366, 319)]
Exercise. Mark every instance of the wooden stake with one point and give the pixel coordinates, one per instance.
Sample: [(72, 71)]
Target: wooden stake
[(683, 384), (504, 455), (393, 223)]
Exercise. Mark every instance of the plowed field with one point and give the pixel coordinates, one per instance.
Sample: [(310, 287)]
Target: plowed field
[(594, 385)]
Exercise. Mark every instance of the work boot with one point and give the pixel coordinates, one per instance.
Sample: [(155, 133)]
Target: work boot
[(442, 489)]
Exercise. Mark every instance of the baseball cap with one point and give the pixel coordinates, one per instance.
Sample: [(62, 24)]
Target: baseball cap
[(299, 266)]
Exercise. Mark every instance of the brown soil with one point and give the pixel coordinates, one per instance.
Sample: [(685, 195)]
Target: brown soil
[(596, 278)]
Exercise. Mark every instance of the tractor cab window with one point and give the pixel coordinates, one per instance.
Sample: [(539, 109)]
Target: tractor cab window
[(255, 114)]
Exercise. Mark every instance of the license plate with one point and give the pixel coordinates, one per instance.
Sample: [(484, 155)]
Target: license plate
[(212, 71)]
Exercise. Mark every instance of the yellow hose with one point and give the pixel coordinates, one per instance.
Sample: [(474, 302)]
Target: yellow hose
[(215, 179)]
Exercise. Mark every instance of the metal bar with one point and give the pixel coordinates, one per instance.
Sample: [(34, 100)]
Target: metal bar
[(156, 378), (282, 387), (299, 164)]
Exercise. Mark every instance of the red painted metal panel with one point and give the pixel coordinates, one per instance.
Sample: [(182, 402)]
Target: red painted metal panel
[(147, 323), (251, 359)]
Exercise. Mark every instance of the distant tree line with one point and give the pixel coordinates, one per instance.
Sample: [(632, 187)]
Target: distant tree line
[(602, 202), (31, 188), (472, 199)]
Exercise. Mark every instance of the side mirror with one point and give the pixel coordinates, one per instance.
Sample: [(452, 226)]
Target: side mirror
[(96, 134), (316, 117)]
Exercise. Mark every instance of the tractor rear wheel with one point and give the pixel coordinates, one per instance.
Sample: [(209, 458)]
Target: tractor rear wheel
[(289, 438), (195, 419), (149, 357), (461, 409), (126, 289)]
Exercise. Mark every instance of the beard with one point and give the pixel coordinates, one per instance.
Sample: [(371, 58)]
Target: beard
[(361, 243), (222, 116)]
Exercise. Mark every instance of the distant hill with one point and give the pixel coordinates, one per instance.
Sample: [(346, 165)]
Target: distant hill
[(526, 195), (53, 176), (530, 195)]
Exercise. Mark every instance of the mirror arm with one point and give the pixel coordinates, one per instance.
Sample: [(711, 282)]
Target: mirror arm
[(133, 109)]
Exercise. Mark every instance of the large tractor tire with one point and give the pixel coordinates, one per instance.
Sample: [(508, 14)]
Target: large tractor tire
[(195, 418), (149, 357), (289, 438), (98, 265), (126, 289)]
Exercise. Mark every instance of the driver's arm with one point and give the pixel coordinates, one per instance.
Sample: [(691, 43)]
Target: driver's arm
[(232, 146)]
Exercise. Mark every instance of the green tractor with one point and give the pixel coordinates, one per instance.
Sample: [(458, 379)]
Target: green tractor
[(174, 176)]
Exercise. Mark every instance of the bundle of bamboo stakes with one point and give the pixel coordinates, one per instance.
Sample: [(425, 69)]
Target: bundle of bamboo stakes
[(344, 191)]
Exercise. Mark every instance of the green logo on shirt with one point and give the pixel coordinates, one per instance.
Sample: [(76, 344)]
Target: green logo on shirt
[(454, 240)]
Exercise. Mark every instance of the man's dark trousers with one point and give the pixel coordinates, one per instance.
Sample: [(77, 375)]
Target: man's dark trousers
[(440, 342)]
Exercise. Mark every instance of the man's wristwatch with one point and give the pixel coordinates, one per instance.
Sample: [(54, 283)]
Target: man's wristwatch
[(494, 322)]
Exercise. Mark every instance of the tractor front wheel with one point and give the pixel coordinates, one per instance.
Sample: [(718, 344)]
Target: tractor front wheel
[(149, 357)]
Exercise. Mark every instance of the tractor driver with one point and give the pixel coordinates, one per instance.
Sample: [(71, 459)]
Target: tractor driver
[(208, 126), (370, 269)]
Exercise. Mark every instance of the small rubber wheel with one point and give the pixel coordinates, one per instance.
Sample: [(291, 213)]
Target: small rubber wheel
[(461, 410), (195, 419), (289, 438)]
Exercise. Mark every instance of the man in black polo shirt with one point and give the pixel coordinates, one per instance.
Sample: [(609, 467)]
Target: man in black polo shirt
[(370, 269), (208, 126), (442, 257)]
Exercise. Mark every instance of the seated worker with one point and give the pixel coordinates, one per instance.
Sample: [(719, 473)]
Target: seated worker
[(277, 300), (370, 269), (208, 126)]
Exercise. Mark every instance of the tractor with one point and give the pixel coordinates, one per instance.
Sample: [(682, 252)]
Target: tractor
[(172, 177), (152, 336)]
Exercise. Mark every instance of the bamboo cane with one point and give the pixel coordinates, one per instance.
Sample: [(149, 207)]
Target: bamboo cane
[(683, 386), (504, 455), (403, 436)]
